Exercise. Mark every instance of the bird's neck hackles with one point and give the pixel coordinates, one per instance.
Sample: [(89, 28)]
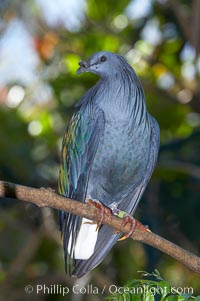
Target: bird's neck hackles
[(123, 92)]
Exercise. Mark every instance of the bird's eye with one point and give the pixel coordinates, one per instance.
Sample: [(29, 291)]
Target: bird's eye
[(103, 58)]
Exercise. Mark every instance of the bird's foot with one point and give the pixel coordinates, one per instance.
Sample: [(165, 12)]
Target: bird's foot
[(103, 210), (126, 218)]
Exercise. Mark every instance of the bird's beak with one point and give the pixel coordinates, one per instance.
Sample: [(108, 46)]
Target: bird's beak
[(83, 67)]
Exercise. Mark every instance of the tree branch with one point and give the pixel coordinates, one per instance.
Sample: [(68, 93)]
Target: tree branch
[(48, 198), (182, 18), (196, 26)]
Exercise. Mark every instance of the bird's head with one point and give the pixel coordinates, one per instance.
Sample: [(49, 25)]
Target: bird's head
[(102, 63)]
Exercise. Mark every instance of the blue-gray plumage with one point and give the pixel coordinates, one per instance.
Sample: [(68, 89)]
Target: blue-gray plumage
[(109, 153)]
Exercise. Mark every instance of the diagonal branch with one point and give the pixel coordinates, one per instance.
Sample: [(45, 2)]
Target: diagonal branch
[(48, 198)]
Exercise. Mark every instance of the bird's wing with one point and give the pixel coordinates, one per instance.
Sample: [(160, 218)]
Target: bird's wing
[(155, 143), (153, 154), (78, 150)]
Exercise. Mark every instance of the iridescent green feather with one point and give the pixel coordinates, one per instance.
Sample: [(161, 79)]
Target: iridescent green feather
[(78, 150), (79, 147)]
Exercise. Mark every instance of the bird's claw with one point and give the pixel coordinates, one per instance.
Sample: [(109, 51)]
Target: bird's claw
[(133, 222), (126, 218), (103, 211)]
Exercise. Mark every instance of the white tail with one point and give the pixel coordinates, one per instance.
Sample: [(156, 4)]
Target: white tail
[(86, 240)]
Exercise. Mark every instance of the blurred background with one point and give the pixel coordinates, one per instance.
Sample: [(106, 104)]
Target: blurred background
[(41, 43)]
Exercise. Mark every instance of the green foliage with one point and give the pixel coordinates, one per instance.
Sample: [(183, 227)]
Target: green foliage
[(153, 289)]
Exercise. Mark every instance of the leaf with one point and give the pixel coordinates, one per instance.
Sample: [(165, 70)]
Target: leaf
[(157, 274), (171, 298), (164, 288), (181, 298), (148, 296)]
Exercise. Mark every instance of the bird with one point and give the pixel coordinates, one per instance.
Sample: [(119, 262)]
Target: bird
[(109, 152)]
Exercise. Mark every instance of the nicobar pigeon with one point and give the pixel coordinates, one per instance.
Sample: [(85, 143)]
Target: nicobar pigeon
[(108, 154)]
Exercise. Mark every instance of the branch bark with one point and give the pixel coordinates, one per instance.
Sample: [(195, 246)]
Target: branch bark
[(188, 23), (182, 18), (48, 198), (196, 26)]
